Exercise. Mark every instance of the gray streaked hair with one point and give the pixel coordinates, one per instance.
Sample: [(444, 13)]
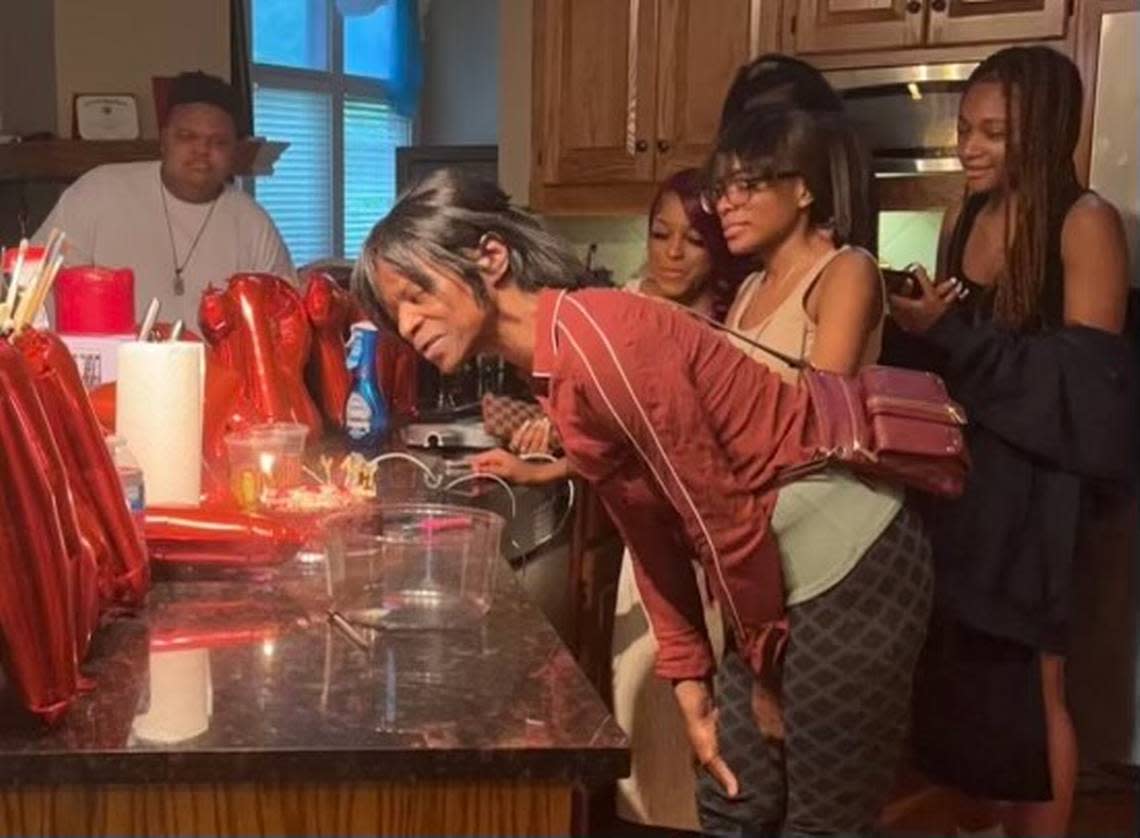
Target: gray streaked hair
[(442, 221)]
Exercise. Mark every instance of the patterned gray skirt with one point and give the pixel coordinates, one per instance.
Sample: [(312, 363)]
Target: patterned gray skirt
[(846, 702)]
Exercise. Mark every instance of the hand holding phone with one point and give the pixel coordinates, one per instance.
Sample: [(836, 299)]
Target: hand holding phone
[(902, 283)]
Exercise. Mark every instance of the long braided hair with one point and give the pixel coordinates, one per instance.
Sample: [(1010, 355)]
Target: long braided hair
[(1043, 97)]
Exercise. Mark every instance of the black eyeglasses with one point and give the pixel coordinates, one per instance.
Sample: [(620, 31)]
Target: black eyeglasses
[(738, 188)]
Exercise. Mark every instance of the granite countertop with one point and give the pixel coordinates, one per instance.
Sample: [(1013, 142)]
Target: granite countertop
[(235, 676)]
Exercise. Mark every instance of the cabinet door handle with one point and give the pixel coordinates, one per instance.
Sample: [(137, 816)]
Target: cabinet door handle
[(938, 5), (641, 146), (663, 146), (913, 7)]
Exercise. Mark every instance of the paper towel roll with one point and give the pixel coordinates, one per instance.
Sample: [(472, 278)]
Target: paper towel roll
[(159, 411), (180, 697)]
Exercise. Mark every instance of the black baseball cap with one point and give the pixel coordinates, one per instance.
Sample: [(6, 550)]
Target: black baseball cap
[(199, 87)]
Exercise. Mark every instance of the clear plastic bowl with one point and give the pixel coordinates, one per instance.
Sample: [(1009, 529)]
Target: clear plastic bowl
[(412, 565)]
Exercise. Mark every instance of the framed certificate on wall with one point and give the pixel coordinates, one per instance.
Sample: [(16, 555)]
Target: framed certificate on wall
[(106, 116)]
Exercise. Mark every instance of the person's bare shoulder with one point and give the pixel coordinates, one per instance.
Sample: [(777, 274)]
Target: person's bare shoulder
[(1094, 251), (852, 276), (1090, 213)]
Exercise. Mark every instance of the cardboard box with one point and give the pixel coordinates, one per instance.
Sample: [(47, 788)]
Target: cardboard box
[(97, 356)]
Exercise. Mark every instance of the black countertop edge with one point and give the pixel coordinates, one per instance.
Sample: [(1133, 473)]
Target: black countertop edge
[(470, 765)]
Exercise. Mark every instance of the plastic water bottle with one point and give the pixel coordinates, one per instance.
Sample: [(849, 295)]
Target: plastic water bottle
[(366, 412), (130, 478)]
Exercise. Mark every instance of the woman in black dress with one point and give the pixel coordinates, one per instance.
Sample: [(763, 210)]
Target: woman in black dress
[(1025, 325)]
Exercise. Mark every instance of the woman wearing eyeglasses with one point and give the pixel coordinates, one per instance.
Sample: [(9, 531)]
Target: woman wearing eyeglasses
[(815, 748), (781, 201)]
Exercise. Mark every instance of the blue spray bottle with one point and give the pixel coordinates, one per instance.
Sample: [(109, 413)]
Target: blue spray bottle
[(366, 412)]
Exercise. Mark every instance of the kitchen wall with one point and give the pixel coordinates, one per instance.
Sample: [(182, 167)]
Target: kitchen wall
[(516, 21), (27, 101), (27, 72), (906, 237), (460, 100), (620, 241), (1115, 171), (115, 46)]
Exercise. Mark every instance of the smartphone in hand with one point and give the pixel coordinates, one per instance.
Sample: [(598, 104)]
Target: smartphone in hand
[(902, 283)]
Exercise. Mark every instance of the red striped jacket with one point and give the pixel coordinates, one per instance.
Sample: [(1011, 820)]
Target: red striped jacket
[(678, 432)]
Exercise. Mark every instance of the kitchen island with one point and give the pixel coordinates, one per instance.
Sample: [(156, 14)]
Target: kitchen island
[(230, 706)]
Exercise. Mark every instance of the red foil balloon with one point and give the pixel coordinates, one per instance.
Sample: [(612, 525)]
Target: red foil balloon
[(398, 367), (220, 535), (329, 309), (84, 540), (125, 574), (257, 328), (37, 596)]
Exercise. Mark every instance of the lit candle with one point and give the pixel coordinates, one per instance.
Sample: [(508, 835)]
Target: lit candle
[(268, 463)]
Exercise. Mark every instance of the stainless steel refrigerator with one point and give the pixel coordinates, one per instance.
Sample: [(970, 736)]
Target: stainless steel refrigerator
[(1104, 664)]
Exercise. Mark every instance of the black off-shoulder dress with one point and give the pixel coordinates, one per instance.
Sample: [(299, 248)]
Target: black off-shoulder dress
[(1052, 428)]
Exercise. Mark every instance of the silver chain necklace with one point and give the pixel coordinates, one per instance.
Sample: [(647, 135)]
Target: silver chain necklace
[(179, 282)]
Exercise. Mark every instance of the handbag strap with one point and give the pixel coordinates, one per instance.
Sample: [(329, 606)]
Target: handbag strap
[(790, 360), (788, 474)]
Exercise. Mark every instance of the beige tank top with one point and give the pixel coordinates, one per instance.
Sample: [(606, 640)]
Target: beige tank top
[(788, 328), (826, 522)]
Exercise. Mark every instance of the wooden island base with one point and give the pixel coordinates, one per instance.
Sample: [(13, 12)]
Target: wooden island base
[(430, 807)]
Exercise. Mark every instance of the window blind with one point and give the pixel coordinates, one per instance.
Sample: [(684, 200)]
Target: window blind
[(298, 195), (372, 130)]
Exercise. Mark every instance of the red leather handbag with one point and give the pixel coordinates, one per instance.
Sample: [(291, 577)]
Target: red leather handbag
[(888, 423)]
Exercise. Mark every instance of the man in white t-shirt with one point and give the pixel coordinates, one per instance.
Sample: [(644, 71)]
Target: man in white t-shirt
[(176, 222)]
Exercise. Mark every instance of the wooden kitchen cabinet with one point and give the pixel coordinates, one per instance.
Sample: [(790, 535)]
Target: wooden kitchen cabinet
[(852, 26), (984, 21), (599, 74), (629, 91), (700, 47)]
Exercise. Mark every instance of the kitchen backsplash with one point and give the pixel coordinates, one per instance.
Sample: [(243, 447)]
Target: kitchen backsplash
[(620, 241), (904, 237)]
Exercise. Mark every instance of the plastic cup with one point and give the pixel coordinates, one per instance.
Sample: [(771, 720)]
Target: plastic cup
[(265, 457), (246, 476), (289, 442)]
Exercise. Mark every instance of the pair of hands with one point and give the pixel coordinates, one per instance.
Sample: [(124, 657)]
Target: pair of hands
[(917, 315), (531, 437)]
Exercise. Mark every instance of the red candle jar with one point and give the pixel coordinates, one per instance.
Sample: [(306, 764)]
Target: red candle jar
[(91, 300), (32, 258)]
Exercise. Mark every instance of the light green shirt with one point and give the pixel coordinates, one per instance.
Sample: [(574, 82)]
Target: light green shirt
[(824, 524)]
